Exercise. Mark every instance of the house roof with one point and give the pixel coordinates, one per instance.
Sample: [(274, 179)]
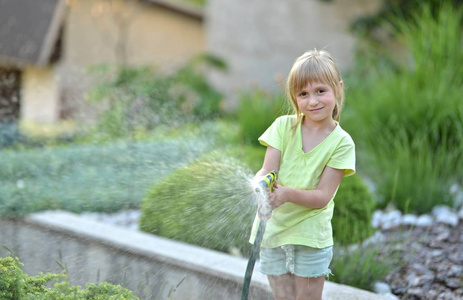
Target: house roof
[(29, 30), (183, 7)]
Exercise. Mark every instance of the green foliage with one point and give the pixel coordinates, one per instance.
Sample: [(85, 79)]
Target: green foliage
[(209, 203), (89, 178), (354, 206), (362, 266), (141, 98), (9, 134), (256, 113), (16, 285), (392, 9), (409, 118)]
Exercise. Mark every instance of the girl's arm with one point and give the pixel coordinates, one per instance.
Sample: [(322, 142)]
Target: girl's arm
[(271, 162), (318, 198)]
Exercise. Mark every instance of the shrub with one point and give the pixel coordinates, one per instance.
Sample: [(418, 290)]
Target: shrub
[(209, 203), (16, 285), (409, 118), (354, 206), (142, 98), (257, 111)]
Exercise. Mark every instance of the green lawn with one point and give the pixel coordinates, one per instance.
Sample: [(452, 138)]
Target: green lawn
[(88, 177)]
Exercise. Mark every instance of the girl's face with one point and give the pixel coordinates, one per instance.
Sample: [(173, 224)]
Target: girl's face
[(317, 101)]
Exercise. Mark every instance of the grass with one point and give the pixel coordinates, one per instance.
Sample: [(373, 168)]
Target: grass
[(105, 178), (362, 266)]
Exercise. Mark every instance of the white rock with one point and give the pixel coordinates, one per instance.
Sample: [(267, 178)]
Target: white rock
[(449, 218), (376, 219), (375, 239), (445, 215), (391, 219), (381, 288), (460, 213), (440, 209), (424, 221), (409, 220), (391, 296), (134, 215), (133, 227)]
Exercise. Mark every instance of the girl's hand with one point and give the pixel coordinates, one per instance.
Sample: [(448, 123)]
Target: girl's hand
[(278, 196)]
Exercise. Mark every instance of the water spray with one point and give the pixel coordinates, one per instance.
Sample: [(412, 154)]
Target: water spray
[(262, 188)]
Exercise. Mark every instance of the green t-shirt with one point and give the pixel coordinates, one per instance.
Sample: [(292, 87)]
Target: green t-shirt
[(292, 223)]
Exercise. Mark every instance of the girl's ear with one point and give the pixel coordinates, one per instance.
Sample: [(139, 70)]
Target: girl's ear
[(341, 83)]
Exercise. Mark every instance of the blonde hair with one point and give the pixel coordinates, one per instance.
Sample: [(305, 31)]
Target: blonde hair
[(314, 67)]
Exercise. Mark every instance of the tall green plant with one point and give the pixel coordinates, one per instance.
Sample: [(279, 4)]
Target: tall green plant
[(256, 113), (409, 118), (362, 266)]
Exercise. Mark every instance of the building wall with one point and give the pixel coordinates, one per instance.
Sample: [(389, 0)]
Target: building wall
[(39, 95), (261, 38), (155, 35), (94, 30)]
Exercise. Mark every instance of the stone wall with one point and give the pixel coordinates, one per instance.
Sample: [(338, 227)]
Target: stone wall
[(149, 265)]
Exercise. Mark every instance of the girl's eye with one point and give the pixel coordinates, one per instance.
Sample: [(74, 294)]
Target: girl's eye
[(302, 94), (320, 91)]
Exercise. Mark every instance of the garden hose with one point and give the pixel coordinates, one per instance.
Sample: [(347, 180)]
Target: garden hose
[(261, 189)]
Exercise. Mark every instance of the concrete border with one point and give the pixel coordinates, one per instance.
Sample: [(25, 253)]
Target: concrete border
[(149, 265)]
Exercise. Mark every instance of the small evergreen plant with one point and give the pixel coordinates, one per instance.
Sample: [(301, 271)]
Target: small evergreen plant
[(354, 206), (16, 285)]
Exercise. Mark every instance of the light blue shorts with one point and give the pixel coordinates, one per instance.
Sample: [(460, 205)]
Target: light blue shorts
[(299, 260)]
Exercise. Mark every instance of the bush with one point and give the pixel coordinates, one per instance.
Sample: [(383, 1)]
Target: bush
[(256, 113), (408, 119), (16, 285), (142, 98), (209, 203), (353, 210)]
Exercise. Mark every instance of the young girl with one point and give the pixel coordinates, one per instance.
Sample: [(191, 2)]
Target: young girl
[(311, 153)]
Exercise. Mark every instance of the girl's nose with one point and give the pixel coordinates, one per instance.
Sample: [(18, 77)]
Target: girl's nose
[(313, 101)]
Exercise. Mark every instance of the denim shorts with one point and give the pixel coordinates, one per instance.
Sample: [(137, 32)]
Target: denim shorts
[(299, 260)]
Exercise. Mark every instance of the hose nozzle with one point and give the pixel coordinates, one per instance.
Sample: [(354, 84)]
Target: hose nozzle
[(267, 182), (261, 189)]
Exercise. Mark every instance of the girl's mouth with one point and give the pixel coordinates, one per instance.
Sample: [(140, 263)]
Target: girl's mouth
[(316, 109)]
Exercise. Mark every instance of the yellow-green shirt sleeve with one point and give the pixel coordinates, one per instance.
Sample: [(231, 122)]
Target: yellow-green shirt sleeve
[(343, 157), (273, 136)]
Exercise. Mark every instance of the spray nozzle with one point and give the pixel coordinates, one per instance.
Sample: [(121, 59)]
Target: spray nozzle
[(261, 189), (267, 182)]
